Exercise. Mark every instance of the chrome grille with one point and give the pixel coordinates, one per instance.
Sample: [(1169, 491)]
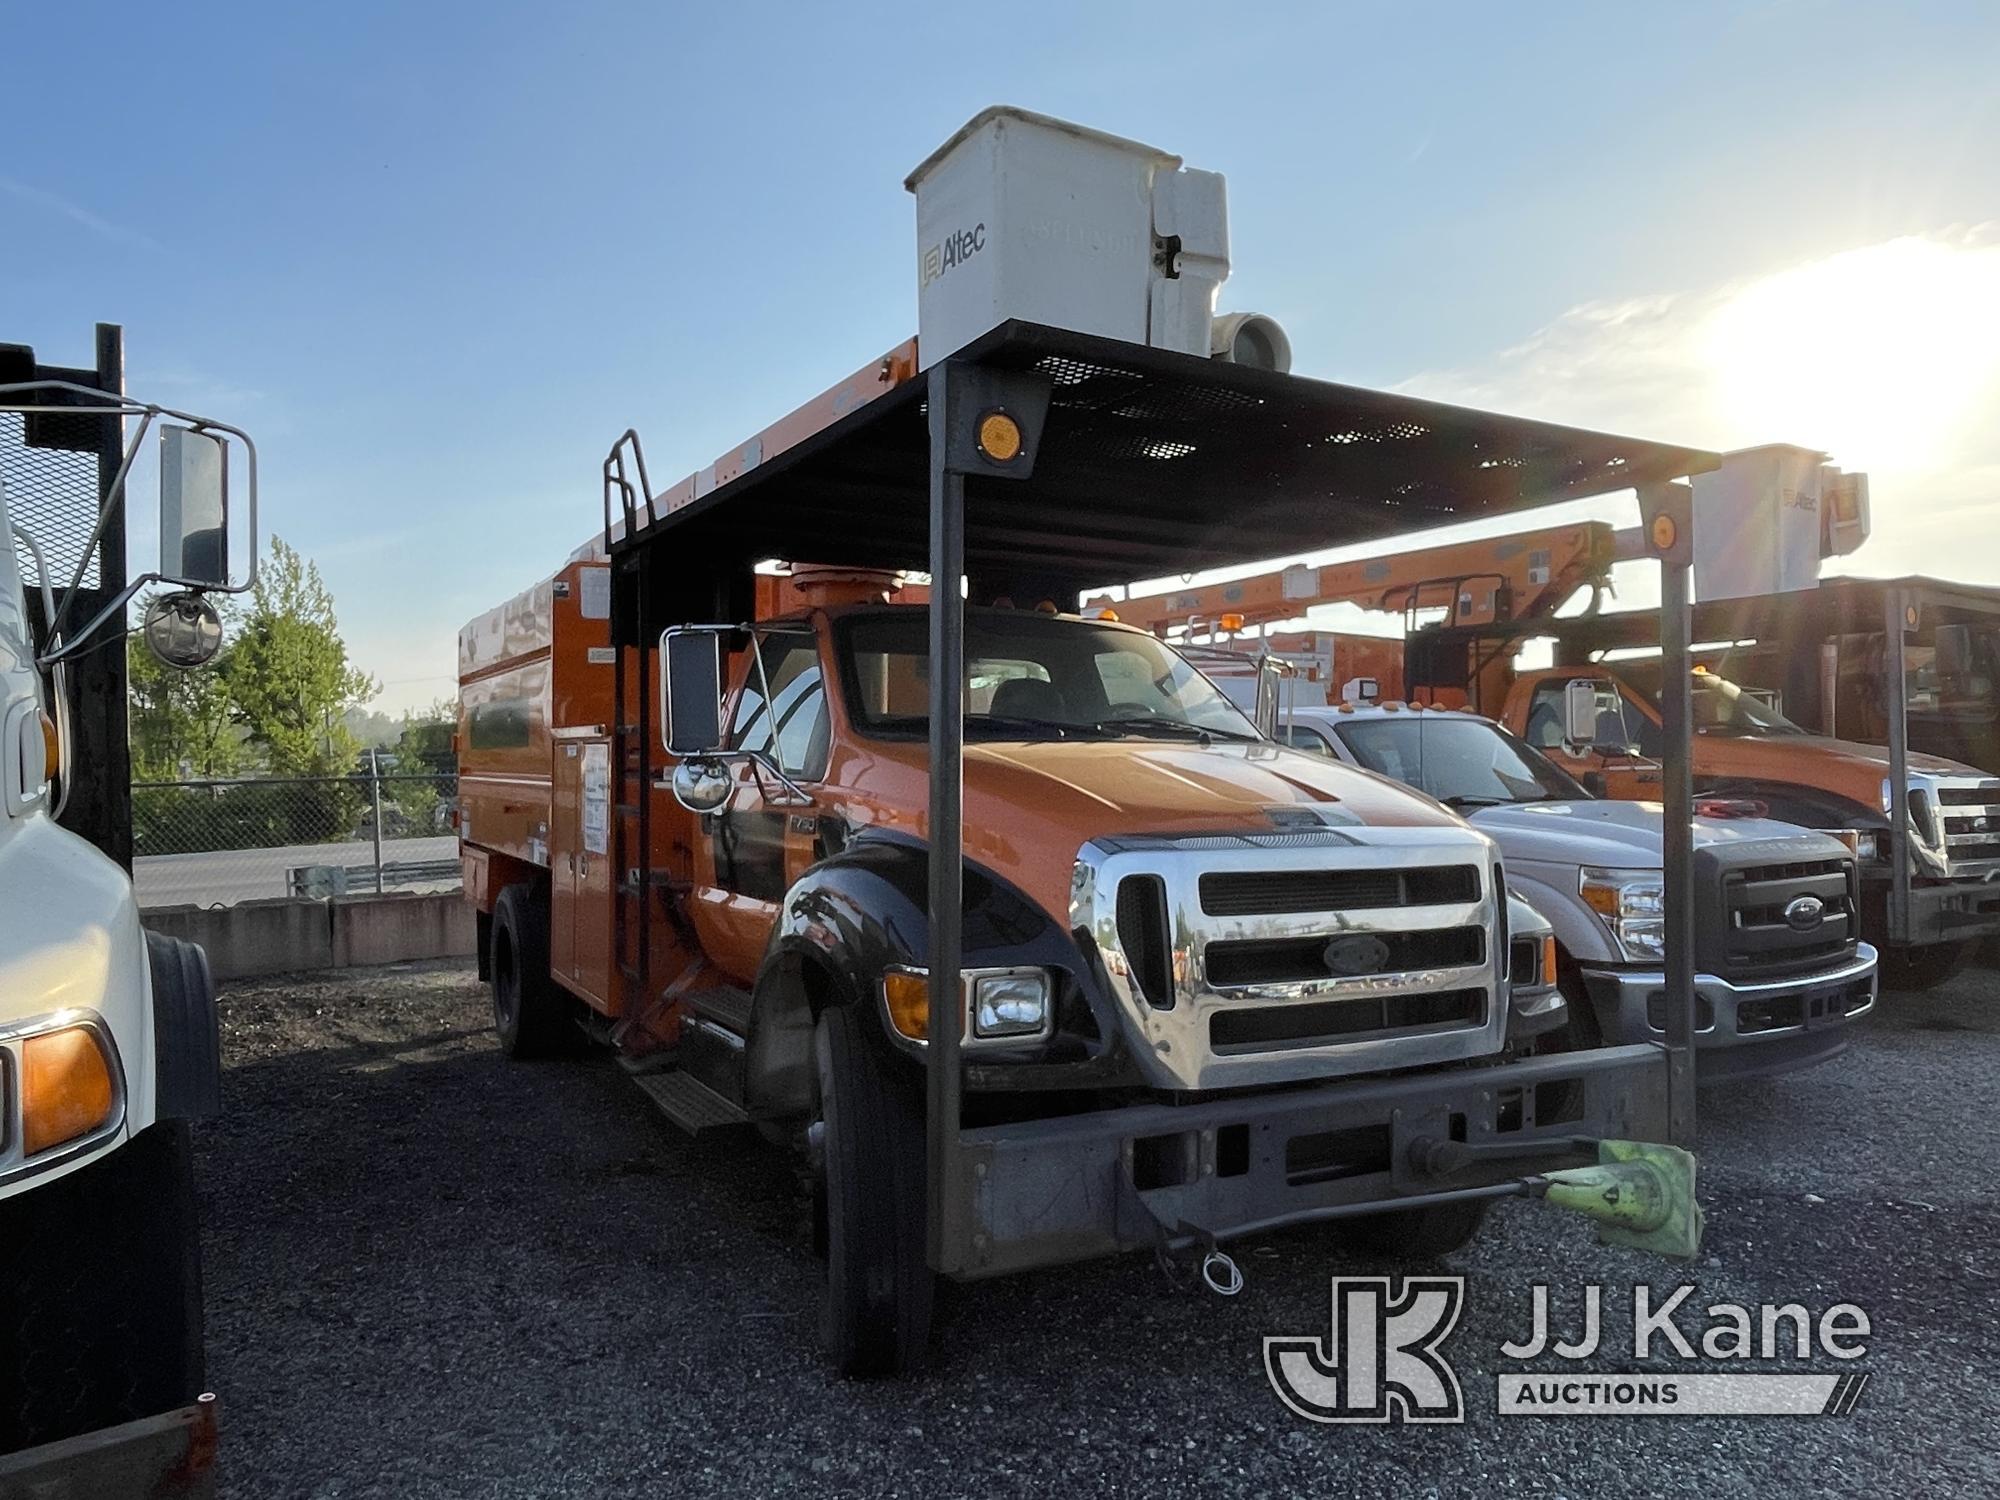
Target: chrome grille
[(1238, 961)]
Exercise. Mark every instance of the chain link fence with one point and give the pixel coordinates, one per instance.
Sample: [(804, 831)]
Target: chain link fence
[(215, 843)]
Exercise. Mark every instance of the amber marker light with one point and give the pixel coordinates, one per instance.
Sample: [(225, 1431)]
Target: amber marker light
[(66, 1087), (999, 437)]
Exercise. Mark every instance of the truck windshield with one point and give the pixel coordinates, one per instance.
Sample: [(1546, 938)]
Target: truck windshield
[(1721, 707), (1032, 677), (1461, 762)]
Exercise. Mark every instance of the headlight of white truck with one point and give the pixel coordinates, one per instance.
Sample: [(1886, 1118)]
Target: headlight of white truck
[(1633, 905)]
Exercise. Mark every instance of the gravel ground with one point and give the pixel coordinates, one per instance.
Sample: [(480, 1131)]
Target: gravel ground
[(432, 1273)]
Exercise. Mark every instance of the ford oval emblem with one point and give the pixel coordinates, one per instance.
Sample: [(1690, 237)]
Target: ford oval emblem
[(1357, 953), (1804, 913)]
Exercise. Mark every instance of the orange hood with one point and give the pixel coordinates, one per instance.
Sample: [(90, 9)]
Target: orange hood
[(1844, 767), (1030, 806)]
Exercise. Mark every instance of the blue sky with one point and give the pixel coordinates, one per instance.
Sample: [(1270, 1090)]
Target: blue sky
[(435, 257)]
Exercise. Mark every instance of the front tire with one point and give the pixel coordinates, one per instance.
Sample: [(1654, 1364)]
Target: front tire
[(1428, 1233), (1925, 968), (876, 1317), (100, 1293), (529, 1014)]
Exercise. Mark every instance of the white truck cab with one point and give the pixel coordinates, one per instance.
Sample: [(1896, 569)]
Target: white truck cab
[(108, 1039), (1781, 972)]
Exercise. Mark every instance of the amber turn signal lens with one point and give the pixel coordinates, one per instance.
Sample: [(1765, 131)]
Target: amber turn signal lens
[(1231, 622), (1548, 960), (65, 1087), (908, 996), (999, 437), (51, 749)]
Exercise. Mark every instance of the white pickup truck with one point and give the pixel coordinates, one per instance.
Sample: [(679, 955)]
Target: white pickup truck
[(108, 1036), (1781, 974)]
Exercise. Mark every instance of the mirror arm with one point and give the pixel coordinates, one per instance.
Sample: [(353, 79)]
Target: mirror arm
[(111, 405), (797, 796), (61, 651)]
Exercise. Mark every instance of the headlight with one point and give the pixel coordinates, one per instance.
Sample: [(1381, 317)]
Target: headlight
[(1633, 904), (1014, 1004), (1005, 1003), (1865, 844)]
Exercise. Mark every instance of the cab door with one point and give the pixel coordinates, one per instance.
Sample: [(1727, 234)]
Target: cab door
[(764, 837)]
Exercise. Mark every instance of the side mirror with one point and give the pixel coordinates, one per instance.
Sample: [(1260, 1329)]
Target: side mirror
[(691, 690), (702, 784), (1580, 714), (194, 507), (1954, 652)]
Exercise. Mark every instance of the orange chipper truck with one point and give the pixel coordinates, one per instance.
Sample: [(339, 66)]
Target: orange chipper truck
[(1206, 984)]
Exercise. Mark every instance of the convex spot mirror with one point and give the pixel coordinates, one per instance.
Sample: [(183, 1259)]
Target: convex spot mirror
[(702, 784), (194, 507), (183, 630)]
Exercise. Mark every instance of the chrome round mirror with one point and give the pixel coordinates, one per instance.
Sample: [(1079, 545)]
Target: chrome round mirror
[(183, 630), (701, 784)]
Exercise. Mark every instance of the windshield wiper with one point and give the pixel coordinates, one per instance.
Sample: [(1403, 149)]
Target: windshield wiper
[(1178, 728), (1060, 729), (1474, 799)]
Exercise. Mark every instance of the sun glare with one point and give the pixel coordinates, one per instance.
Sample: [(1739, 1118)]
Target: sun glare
[(1881, 355)]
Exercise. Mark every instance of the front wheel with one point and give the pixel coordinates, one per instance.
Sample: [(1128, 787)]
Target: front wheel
[(1438, 1229), (100, 1293), (876, 1317), (1924, 968)]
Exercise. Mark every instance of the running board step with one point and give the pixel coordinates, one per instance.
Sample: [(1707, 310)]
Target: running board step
[(688, 1102)]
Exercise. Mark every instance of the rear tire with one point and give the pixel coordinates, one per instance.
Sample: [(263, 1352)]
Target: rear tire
[(1419, 1233), (1914, 969), (530, 1015), (876, 1317), (100, 1293)]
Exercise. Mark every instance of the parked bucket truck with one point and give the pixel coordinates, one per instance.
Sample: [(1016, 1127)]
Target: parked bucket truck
[(1033, 945)]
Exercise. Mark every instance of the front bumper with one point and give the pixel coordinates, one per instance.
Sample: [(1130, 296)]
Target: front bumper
[(1958, 911), (1047, 1192), (1742, 1030)]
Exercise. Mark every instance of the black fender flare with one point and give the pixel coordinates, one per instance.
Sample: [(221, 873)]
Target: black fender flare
[(864, 910), (187, 1039)]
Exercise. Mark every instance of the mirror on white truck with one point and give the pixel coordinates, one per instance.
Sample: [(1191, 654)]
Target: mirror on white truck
[(194, 507), (183, 628)]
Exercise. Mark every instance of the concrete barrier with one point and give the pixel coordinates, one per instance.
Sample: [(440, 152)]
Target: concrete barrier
[(254, 938), (390, 929)]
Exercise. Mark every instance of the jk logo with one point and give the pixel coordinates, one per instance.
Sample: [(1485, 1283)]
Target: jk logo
[(1379, 1361)]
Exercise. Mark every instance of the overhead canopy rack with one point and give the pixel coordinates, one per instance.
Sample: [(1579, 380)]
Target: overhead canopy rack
[(1153, 463)]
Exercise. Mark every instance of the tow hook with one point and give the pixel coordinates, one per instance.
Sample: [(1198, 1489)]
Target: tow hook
[(1220, 1274), (1218, 1270)]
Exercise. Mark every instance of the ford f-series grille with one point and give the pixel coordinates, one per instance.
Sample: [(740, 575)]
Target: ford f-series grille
[(1780, 918), (1250, 959), (1970, 815)]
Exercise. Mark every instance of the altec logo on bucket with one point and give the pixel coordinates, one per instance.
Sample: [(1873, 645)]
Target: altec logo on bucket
[(954, 249), (1382, 1358)]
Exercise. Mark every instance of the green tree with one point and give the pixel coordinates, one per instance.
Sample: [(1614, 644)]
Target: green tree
[(413, 770), (183, 723), (289, 675)]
